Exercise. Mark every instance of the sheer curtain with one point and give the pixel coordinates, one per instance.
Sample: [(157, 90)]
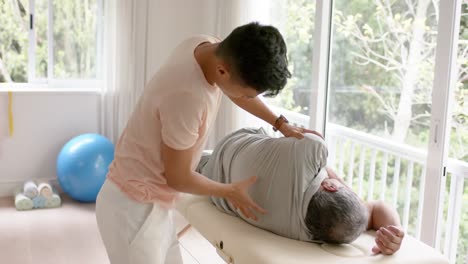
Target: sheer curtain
[(136, 44), (124, 62), (231, 14)]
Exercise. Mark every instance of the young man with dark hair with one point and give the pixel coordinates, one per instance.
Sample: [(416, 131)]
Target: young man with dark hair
[(158, 151)]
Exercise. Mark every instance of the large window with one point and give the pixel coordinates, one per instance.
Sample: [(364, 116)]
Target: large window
[(381, 72), (455, 243), (45, 41), (381, 79), (459, 126), (382, 68), (295, 19)]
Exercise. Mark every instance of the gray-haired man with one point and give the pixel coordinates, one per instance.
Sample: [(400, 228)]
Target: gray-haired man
[(305, 200)]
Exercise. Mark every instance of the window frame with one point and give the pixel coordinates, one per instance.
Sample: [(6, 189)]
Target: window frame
[(50, 82), (443, 85)]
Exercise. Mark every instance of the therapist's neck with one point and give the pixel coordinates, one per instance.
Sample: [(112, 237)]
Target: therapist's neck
[(205, 54)]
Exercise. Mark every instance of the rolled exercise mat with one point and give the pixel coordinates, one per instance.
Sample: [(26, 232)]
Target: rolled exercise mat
[(22, 202), (45, 190), (39, 202), (53, 201), (30, 189)]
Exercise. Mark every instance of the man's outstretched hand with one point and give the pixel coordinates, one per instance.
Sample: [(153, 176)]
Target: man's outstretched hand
[(388, 240)]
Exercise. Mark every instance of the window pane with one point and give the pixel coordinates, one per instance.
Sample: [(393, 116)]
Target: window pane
[(40, 26), (459, 134), (295, 20), (75, 32), (458, 148), (383, 68), (14, 42), (381, 80)]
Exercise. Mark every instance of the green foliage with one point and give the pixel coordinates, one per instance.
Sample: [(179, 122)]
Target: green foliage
[(74, 33), (75, 39), (365, 89), (298, 32), (13, 41), (365, 95)]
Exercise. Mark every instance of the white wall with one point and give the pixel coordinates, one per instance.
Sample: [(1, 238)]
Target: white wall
[(44, 122), (170, 22)]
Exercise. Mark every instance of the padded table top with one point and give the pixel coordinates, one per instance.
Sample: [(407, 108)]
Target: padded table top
[(246, 244)]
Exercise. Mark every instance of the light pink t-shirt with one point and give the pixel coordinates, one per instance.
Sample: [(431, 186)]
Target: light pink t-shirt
[(177, 107)]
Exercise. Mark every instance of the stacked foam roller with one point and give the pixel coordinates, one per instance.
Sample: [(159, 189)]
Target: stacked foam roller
[(34, 196)]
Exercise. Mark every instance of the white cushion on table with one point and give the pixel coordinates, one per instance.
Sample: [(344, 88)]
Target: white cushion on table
[(247, 244)]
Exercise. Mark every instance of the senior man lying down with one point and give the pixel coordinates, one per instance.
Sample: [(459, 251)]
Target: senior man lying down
[(304, 199)]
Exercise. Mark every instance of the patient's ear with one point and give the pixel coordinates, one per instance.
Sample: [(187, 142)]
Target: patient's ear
[(328, 186)]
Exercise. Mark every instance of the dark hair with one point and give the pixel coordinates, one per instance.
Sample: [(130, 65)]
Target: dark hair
[(257, 56), (336, 217)]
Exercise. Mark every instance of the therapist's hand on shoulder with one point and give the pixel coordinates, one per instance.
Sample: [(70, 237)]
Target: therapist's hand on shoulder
[(240, 199), (289, 130)]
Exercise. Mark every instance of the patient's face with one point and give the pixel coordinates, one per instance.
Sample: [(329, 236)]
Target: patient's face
[(331, 185)]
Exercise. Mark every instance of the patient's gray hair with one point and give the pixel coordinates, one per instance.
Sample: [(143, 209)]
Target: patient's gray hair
[(336, 217)]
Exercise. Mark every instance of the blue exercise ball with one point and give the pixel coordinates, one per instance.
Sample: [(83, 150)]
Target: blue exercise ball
[(82, 166)]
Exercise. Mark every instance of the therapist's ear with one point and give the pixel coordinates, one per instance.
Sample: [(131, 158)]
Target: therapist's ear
[(223, 70)]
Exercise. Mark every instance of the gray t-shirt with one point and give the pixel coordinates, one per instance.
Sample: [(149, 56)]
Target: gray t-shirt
[(289, 172)]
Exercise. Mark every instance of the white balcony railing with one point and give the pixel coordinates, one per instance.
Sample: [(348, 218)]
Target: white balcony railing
[(377, 168), (408, 164)]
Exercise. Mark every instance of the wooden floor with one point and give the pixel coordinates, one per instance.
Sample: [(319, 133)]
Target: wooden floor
[(69, 235)]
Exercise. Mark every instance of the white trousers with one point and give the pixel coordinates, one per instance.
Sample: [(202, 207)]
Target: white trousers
[(135, 233)]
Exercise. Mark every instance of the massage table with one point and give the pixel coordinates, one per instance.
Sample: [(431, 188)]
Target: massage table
[(241, 243)]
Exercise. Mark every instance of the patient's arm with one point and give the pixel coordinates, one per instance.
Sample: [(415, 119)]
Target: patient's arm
[(386, 221), (382, 218)]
